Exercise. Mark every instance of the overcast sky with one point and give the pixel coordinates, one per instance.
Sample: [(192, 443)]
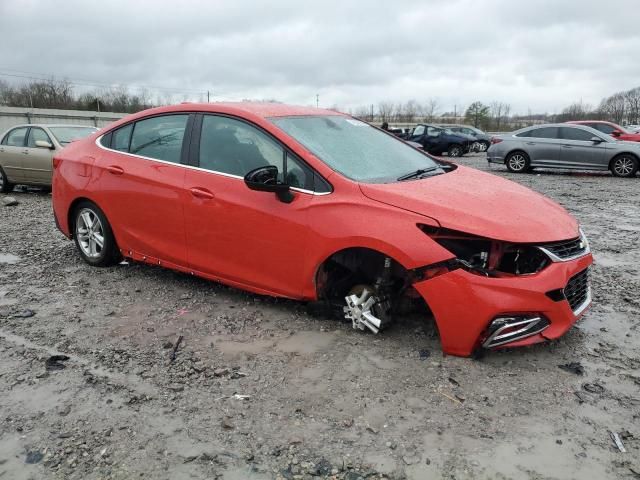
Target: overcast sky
[(538, 55)]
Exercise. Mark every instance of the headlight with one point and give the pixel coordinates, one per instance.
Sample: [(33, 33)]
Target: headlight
[(487, 256), (583, 239)]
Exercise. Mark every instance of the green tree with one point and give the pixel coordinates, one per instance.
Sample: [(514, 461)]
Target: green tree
[(477, 114)]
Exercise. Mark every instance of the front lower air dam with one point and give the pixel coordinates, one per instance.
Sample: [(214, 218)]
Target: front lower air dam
[(504, 330)]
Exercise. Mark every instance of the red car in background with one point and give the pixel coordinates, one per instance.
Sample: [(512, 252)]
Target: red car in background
[(610, 128), (311, 204)]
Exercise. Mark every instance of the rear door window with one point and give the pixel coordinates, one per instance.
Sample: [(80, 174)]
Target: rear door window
[(16, 137), (544, 132), (159, 137), (121, 138)]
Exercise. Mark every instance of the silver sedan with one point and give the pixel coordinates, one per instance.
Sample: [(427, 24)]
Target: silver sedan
[(564, 146)]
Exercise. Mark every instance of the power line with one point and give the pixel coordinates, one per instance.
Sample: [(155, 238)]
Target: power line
[(88, 83)]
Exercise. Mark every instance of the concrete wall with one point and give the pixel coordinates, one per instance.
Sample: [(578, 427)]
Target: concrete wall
[(10, 116)]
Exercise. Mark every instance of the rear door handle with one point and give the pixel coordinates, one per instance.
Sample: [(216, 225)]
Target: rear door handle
[(567, 146), (203, 193), (531, 143), (25, 151), (116, 170)]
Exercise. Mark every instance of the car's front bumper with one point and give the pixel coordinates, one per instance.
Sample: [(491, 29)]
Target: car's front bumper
[(464, 304)]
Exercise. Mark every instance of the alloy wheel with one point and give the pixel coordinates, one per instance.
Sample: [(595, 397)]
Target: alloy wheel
[(623, 166), (455, 152), (90, 233), (517, 162)]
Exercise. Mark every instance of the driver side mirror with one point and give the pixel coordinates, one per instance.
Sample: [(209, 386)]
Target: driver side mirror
[(44, 144), (597, 140), (616, 133), (265, 179)]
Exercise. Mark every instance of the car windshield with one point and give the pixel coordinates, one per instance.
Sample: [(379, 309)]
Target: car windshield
[(354, 148), (66, 135)]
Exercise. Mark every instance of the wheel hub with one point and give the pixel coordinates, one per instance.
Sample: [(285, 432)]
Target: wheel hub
[(361, 308)]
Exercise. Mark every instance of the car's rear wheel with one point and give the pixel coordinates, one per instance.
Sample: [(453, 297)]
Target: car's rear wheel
[(517, 162), (624, 165), (5, 185), (455, 151), (484, 146), (93, 236)]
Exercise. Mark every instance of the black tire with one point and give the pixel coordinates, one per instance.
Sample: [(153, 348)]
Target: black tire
[(85, 238), (624, 165), (485, 145), (518, 162), (455, 150), (5, 185)]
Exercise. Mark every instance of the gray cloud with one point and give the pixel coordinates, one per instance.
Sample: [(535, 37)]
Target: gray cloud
[(537, 55)]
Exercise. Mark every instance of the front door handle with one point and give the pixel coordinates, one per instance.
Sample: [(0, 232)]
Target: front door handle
[(25, 151), (203, 193), (115, 170), (531, 143), (567, 146)]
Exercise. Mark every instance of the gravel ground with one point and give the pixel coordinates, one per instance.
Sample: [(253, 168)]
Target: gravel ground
[(323, 400)]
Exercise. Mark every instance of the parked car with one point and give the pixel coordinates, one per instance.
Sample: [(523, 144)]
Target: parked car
[(26, 152), (482, 139), (312, 204), (564, 145), (633, 128), (436, 140), (610, 128)]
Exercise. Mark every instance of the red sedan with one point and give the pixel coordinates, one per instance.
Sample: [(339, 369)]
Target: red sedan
[(315, 205), (616, 131)]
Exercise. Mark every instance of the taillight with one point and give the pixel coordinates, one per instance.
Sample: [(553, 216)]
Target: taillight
[(495, 140), (56, 162)]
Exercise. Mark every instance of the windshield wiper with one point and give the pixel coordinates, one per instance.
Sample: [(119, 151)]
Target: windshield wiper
[(417, 173)]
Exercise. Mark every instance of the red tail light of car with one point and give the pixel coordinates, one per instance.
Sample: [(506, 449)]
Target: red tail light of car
[(495, 140)]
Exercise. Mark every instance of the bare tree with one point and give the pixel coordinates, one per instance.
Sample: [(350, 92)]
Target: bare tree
[(386, 111), (614, 107), (363, 113), (406, 112), (430, 109), (632, 98)]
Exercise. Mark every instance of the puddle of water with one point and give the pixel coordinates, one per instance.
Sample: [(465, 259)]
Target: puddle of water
[(306, 342), (8, 258)]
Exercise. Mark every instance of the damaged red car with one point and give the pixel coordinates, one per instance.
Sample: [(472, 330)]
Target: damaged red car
[(315, 205)]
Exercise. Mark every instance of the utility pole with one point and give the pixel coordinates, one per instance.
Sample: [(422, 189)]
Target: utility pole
[(98, 104), (317, 100), (208, 97)]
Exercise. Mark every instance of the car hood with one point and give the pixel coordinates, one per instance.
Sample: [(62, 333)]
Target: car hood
[(482, 204)]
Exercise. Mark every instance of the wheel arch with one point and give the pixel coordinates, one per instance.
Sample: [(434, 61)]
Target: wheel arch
[(516, 150), (354, 254)]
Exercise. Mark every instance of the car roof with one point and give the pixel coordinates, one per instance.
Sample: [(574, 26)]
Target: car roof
[(580, 122), (48, 125), (258, 109), (566, 125)]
